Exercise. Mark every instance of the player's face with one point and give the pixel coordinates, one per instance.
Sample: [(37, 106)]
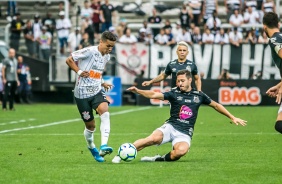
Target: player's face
[(182, 52), (106, 47), (183, 83)]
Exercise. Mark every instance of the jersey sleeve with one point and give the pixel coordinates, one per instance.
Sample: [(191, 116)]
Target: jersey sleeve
[(81, 54), (169, 95), (5, 62), (276, 43), (195, 70), (206, 99), (168, 70)]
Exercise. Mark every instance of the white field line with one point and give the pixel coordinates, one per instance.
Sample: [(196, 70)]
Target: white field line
[(140, 133), (19, 121), (69, 121)]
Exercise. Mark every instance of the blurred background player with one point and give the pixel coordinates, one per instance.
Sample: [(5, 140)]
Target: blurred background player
[(25, 82), (271, 28), (178, 64), (10, 80)]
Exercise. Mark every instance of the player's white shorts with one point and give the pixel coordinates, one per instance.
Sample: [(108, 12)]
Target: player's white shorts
[(280, 108), (172, 135)]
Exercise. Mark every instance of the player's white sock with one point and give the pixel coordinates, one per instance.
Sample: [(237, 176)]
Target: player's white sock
[(88, 134), (105, 127)]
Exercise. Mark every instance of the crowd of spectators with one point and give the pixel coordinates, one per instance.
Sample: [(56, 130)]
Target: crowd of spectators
[(198, 24)]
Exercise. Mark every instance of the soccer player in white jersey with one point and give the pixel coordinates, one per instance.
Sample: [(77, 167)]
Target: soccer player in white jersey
[(88, 90)]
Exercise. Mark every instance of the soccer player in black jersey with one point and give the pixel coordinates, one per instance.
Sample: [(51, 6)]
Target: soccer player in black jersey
[(178, 64), (271, 28), (178, 129)]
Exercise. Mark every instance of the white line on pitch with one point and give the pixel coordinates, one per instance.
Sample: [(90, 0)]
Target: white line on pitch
[(71, 120), (19, 121), (140, 133)]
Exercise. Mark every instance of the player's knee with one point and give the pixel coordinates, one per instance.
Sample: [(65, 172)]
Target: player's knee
[(180, 152), (90, 125), (278, 126), (105, 115)]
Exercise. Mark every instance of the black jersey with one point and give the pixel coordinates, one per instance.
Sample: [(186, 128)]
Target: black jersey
[(174, 66), (184, 108), (275, 43)]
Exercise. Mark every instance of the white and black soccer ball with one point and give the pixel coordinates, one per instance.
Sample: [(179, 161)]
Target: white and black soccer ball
[(127, 152)]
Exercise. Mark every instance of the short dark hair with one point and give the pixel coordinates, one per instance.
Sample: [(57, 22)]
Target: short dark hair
[(270, 19), (107, 35), (184, 72)]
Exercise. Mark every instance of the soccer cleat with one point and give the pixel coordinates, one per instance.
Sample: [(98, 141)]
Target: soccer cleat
[(96, 155), (150, 159), (116, 159), (105, 149)]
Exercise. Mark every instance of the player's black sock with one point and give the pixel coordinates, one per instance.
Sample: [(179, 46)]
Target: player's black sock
[(160, 159), (278, 126), (166, 158)]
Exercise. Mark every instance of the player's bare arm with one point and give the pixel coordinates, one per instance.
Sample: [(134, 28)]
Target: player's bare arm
[(70, 62), (3, 74), (198, 82), (221, 109), (147, 93), (159, 78)]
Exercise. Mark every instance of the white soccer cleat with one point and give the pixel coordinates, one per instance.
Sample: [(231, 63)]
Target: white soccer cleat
[(150, 159), (116, 159)]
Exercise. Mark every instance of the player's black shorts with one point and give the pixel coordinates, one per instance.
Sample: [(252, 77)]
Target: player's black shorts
[(85, 106)]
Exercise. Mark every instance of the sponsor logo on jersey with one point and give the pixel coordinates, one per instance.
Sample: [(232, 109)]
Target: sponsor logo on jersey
[(187, 101), (272, 40), (185, 112), (172, 62), (183, 121), (95, 74), (196, 99), (96, 55), (188, 68), (179, 98), (86, 115), (91, 89), (174, 70)]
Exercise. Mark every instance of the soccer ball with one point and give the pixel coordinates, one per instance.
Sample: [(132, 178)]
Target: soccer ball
[(127, 152)]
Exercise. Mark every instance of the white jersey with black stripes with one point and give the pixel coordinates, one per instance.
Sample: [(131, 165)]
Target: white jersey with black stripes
[(91, 60)]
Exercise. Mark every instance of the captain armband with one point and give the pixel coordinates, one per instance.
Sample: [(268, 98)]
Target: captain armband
[(277, 48)]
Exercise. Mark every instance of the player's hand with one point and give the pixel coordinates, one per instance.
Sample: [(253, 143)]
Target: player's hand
[(279, 95), (146, 83), (107, 86), (238, 121), (272, 92), (132, 89), (84, 74)]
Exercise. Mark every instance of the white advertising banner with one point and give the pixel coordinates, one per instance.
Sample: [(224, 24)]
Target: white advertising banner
[(132, 59)]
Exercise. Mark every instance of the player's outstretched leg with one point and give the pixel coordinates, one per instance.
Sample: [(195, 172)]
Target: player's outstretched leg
[(151, 159), (116, 159), (96, 155), (158, 158), (278, 126)]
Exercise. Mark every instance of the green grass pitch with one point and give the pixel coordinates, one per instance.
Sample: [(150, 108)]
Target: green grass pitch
[(44, 143)]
